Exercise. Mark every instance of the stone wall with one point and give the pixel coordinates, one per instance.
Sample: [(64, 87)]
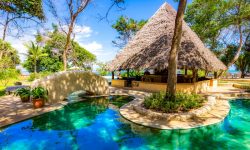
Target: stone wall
[(60, 85)]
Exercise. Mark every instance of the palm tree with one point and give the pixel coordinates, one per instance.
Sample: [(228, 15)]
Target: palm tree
[(35, 53)]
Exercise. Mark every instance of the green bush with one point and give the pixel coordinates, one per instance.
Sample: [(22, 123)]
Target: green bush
[(32, 77), (23, 92), (6, 75), (183, 102), (39, 75)]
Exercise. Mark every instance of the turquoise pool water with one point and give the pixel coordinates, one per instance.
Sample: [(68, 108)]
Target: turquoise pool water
[(96, 124)]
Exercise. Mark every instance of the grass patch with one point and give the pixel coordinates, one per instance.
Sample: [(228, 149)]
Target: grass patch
[(183, 102), (11, 82)]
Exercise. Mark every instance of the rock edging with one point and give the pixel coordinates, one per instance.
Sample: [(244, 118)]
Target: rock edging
[(211, 101)]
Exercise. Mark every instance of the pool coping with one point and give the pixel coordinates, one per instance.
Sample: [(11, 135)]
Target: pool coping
[(216, 114), (113, 91), (34, 112)]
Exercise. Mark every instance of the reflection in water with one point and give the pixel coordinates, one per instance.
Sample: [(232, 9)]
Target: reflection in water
[(96, 124)]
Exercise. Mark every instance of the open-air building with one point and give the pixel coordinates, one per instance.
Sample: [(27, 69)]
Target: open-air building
[(149, 50)]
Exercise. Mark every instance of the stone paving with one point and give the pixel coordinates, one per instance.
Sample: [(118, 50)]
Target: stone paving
[(12, 110)]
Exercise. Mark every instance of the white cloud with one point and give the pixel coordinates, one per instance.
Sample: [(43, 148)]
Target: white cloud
[(93, 47), (83, 29), (80, 32)]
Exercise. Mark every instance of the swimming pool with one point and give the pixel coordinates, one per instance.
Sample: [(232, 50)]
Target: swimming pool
[(96, 124)]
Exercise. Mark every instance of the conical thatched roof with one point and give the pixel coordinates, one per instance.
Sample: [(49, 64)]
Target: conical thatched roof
[(151, 45)]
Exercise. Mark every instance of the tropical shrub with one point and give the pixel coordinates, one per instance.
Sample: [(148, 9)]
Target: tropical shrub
[(39, 92), (7, 74), (132, 73), (39, 75), (32, 77), (102, 71), (183, 102), (23, 92)]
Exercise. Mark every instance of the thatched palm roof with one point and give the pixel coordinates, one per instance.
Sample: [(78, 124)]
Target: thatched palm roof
[(150, 47)]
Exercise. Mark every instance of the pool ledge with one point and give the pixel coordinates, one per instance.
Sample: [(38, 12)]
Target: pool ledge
[(13, 110), (213, 112)]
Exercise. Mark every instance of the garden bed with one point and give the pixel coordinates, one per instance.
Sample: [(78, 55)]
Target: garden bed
[(211, 101)]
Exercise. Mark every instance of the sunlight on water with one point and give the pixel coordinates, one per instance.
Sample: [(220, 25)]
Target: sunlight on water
[(94, 124)]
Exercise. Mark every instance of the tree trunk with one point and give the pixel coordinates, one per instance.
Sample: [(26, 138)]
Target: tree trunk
[(67, 44), (35, 69), (242, 70), (242, 75), (5, 27), (172, 62), (238, 50)]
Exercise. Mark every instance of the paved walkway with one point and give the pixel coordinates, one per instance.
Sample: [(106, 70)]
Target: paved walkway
[(12, 110)]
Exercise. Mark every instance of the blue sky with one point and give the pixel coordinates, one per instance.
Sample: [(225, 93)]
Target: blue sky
[(93, 34)]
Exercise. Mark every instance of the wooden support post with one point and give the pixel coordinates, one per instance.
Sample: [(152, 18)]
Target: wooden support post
[(186, 71), (215, 75), (127, 73), (113, 75), (194, 75)]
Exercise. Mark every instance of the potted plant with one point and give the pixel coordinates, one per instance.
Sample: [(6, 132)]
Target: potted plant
[(24, 94), (39, 96)]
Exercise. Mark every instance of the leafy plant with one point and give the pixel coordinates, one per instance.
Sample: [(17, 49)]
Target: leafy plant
[(183, 102), (126, 28), (39, 92), (42, 74), (102, 69), (23, 92), (6, 75), (132, 73), (32, 77)]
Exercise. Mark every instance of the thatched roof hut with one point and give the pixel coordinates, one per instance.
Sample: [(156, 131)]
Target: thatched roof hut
[(150, 47)]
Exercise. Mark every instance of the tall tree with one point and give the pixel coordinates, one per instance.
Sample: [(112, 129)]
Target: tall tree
[(80, 57), (126, 28), (75, 8), (173, 57), (8, 55), (243, 63), (35, 54), (220, 23), (14, 13), (52, 43)]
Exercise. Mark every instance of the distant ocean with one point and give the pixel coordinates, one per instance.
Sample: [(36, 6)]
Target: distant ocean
[(108, 77), (233, 71)]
